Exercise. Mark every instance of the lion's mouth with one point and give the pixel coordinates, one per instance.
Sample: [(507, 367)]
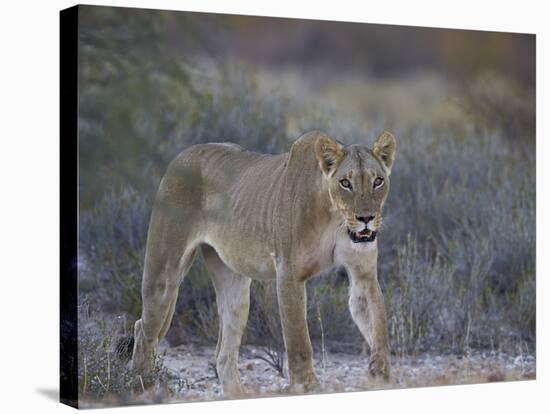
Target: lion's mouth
[(364, 236)]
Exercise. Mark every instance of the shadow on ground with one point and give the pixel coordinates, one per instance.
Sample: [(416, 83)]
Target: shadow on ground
[(51, 394)]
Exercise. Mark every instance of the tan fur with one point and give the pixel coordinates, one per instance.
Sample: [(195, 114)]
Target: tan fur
[(255, 216)]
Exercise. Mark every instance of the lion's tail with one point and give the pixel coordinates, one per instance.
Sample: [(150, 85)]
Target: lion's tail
[(124, 348)]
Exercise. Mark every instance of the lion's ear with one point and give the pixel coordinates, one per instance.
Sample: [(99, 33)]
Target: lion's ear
[(385, 150), (329, 153)]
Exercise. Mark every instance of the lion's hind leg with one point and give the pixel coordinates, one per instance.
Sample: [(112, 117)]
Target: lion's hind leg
[(233, 300), (159, 295)]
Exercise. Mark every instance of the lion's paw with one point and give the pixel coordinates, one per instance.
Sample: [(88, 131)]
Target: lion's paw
[(308, 384), (379, 367)]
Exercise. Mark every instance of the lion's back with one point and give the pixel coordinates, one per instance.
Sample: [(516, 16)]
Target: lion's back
[(213, 169)]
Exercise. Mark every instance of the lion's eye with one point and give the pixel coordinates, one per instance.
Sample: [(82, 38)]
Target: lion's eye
[(346, 185), (378, 181)]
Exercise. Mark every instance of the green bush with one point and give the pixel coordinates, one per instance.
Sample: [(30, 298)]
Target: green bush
[(112, 246)]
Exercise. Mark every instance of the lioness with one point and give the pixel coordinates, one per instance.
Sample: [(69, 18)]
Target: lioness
[(256, 216)]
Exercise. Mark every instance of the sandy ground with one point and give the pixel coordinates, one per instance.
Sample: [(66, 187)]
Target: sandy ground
[(194, 378)]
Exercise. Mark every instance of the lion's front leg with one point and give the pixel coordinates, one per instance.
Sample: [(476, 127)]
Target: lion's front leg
[(367, 308), (292, 309)]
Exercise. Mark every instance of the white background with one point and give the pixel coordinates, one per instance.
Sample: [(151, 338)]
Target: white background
[(29, 206)]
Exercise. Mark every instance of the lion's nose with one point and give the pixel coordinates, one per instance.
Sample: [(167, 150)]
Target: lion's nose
[(365, 219)]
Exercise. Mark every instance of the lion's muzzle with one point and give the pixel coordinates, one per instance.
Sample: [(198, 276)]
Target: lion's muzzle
[(367, 235), (364, 236)]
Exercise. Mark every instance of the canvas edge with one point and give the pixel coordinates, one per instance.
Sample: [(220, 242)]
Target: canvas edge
[(68, 147)]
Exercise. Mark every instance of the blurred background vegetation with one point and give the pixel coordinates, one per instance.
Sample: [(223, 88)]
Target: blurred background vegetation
[(457, 254)]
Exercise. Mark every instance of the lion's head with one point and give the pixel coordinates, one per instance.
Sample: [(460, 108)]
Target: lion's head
[(358, 182)]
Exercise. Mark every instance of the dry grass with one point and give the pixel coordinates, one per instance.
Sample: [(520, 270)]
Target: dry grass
[(194, 380)]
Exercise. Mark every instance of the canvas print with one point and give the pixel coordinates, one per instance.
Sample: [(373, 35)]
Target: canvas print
[(256, 206)]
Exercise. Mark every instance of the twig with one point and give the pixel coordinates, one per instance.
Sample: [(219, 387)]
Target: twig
[(85, 385), (141, 381), (323, 352), (100, 383)]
